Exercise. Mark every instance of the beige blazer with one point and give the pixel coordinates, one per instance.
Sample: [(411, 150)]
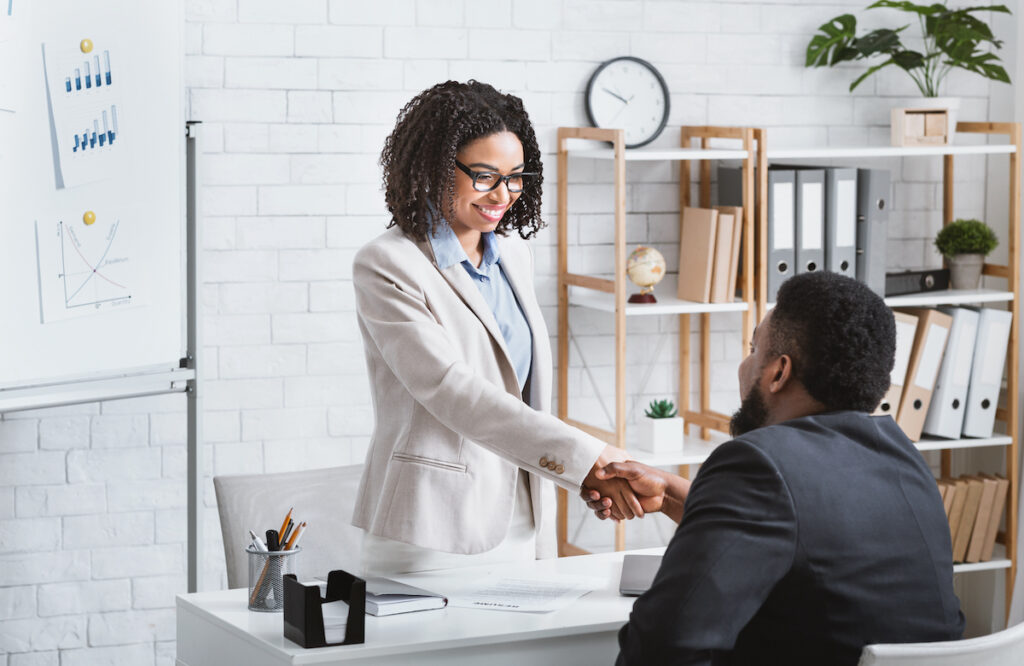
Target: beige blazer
[(452, 429)]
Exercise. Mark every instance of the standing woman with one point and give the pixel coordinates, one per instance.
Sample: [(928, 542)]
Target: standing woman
[(464, 449)]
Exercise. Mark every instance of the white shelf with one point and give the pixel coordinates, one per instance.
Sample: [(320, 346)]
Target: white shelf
[(682, 154), (928, 443), (667, 303), (998, 561), (950, 297), (693, 452), (650, 155), (886, 151)]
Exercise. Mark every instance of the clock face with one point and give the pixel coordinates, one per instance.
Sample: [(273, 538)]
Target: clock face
[(628, 93)]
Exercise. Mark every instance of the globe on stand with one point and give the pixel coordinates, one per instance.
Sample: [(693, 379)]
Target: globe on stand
[(645, 268)]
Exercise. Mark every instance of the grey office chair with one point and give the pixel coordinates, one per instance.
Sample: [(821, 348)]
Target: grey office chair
[(1003, 648), (324, 498)]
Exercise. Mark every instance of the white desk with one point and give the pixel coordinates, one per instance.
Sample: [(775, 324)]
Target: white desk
[(214, 628)]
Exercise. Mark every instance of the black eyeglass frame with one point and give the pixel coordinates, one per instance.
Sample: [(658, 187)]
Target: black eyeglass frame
[(500, 178)]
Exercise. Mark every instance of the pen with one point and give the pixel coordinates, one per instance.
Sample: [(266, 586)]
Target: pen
[(295, 536), (298, 535), (287, 532), (272, 540), (257, 543), (284, 524)]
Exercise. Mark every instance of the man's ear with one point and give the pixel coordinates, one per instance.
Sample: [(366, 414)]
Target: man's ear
[(780, 372)]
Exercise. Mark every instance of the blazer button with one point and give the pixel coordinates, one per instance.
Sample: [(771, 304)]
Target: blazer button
[(559, 469), (552, 465), (543, 461)]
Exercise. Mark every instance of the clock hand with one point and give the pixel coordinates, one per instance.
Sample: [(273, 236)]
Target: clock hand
[(617, 96)]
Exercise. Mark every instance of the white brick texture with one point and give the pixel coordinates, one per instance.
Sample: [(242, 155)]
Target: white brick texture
[(297, 99)]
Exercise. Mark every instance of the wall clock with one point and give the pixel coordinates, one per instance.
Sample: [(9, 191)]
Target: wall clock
[(630, 94)]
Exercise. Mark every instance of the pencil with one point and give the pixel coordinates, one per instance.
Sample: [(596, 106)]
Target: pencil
[(295, 536), (286, 519)]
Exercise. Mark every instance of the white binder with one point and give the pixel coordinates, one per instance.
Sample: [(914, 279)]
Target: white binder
[(987, 372), (781, 228), (841, 221), (810, 220), (906, 329), (949, 401)]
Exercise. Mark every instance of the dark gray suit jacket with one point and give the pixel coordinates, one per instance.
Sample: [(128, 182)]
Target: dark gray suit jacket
[(801, 543)]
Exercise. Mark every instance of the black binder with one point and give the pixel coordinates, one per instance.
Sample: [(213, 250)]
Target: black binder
[(304, 617)]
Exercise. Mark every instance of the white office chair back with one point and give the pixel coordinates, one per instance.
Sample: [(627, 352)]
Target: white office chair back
[(1003, 648), (324, 498)]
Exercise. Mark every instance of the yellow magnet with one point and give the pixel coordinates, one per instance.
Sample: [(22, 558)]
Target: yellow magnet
[(86, 45), (89, 217)]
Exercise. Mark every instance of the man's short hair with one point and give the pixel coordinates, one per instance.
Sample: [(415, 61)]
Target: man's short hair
[(841, 337)]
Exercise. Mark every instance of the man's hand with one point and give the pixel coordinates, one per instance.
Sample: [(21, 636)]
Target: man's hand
[(655, 490), (622, 501)]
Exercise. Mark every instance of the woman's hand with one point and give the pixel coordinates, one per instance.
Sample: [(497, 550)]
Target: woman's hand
[(622, 501), (654, 490)]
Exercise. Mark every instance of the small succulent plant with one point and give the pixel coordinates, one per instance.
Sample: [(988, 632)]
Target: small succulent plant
[(661, 409)]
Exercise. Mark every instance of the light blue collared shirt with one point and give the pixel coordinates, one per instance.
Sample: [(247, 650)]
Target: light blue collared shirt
[(494, 286)]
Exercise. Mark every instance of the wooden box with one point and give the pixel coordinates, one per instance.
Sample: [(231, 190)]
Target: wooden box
[(920, 127)]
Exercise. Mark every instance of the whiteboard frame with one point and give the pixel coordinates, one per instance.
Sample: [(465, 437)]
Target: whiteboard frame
[(162, 379)]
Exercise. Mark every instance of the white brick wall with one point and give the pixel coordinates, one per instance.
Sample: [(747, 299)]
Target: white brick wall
[(297, 98)]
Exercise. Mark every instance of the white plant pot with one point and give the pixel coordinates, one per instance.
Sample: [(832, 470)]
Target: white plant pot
[(660, 435), (952, 107), (965, 270)]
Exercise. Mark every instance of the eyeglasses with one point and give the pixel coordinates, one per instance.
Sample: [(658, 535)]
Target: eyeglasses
[(486, 181)]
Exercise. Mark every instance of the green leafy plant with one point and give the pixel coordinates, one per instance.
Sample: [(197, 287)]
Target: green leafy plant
[(966, 237), (660, 409), (952, 38)]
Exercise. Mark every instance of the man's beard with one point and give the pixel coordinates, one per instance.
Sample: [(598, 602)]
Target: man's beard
[(752, 414)]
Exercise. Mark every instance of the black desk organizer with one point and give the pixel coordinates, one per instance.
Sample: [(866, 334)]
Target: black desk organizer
[(304, 617)]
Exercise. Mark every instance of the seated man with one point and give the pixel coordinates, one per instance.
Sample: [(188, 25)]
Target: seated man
[(819, 528)]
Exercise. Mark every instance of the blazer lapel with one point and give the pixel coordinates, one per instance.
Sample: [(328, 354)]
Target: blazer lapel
[(463, 285)]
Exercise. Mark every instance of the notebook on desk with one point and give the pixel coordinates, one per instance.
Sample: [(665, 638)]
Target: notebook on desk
[(638, 573), (389, 597)]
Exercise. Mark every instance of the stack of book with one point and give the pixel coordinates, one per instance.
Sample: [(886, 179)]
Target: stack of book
[(709, 254), (974, 505)]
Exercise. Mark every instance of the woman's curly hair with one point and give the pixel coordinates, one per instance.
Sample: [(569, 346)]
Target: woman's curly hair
[(419, 155), (841, 337)]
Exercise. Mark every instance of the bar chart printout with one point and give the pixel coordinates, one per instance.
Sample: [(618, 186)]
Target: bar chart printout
[(91, 74), (101, 133), (87, 112), (86, 269)]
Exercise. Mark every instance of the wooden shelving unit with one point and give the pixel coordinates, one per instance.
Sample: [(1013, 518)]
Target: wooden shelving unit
[(609, 295), (1011, 273)]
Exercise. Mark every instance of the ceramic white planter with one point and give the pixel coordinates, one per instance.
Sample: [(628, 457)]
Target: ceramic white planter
[(965, 270), (660, 435)]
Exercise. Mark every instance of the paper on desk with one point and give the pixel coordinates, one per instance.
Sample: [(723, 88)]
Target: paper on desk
[(524, 594)]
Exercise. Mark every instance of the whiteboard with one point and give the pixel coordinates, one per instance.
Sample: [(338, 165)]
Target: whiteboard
[(103, 299)]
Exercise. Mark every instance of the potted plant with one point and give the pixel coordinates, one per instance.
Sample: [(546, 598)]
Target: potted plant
[(964, 244), (951, 37), (661, 429)]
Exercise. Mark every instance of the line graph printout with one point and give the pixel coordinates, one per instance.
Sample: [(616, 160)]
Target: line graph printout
[(86, 269), (85, 93)]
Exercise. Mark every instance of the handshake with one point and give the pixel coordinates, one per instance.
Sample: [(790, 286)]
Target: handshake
[(622, 489)]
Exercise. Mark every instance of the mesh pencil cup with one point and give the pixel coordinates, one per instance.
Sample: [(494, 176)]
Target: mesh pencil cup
[(266, 577)]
